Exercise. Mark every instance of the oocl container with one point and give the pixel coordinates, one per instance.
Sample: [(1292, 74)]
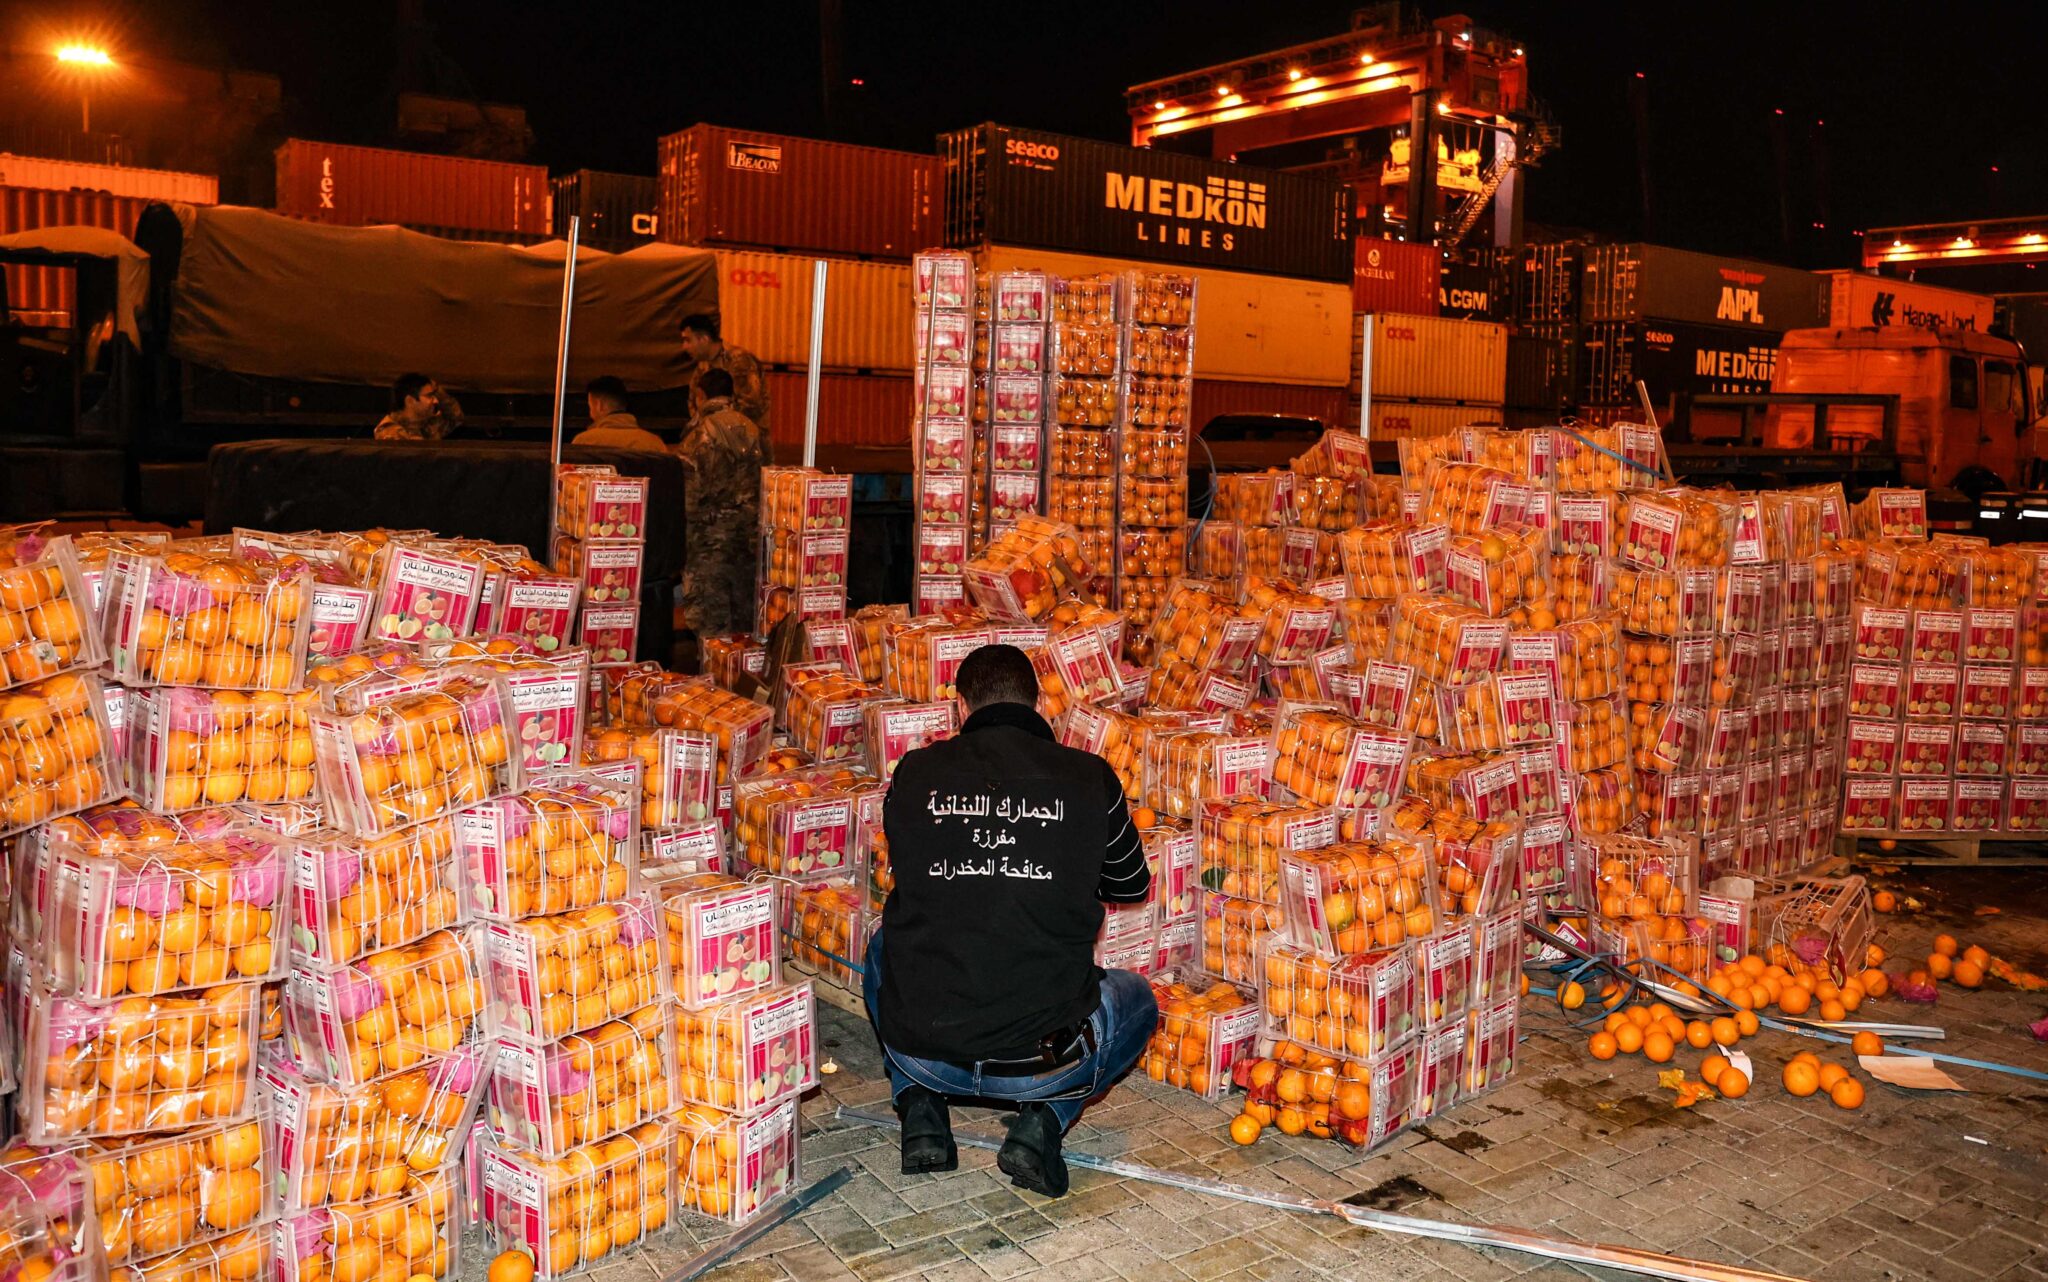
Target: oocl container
[(1642, 282), (738, 187), (1428, 358), (326, 182), (1394, 276), (1392, 420), (1007, 186), (1857, 300), (764, 305), (617, 209)]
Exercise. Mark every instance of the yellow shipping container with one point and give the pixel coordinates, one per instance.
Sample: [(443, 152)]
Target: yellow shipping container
[(1392, 420), (1430, 358), (764, 306), (1248, 329)]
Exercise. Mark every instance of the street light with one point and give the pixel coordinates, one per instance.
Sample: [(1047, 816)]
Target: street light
[(87, 59)]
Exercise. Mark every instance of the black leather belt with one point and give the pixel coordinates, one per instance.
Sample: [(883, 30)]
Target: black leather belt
[(1057, 1049)]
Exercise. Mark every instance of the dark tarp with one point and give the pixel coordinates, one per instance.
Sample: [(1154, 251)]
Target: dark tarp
[(263, 295)]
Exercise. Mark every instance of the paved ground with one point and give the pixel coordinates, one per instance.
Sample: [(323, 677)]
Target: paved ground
[(1571, 1147)]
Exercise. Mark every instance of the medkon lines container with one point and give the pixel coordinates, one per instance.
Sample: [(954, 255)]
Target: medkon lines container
[(326, 182), (1008, 186), (1644, 282), (737, 187), (1673, 358), (1428, 358)]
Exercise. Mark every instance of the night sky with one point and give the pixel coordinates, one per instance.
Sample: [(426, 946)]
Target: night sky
[(1919, 104)]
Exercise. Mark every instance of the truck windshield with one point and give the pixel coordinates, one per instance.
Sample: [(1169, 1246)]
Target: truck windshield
[(2002, 388), (1962, 382)]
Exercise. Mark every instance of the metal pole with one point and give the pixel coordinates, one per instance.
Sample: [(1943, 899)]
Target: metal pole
[(1366, 323), (818, 270), (561, 375)]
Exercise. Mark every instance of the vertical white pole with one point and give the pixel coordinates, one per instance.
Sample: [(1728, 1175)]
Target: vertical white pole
[(1365, 376), (561, 379), (818, 270)]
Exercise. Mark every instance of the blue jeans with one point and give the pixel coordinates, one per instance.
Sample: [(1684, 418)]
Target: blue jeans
[(1123, 1024)]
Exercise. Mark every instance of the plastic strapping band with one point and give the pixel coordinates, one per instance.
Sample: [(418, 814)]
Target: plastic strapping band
[(1827, 1035), (709, 1259), (1619, 458)]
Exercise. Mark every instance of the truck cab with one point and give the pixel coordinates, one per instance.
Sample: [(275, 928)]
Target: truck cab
[(1967, 409)]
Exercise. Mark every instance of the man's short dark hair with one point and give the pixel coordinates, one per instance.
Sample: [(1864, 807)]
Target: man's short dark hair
[(407, 387), (608, 387), (715, 383), (997, 674), (703, 322)]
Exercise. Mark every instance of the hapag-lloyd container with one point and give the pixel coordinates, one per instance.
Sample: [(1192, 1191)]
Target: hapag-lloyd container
[(764, 305), (327, 182), (1394, 276), (113, 180), (1857, 300), (724, 186), (1428, 358), (1261, 329), (1642, 282)]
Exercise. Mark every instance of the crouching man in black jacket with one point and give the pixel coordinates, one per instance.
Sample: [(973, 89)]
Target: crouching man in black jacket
[(982, 980)]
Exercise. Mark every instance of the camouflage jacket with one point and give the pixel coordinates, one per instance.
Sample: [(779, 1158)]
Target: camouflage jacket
[(749, 388), (723, 453), (438, 428)]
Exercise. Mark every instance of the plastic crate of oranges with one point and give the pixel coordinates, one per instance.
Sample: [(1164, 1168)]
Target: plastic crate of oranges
[(563, 845), (139, 1064), (741, 727), (1243, 839), (201, 619), (548, 977), (1359, 896), (160, 1195), (749, 1053), (47, 622), (1233, 931), (147, 917), (416, 1231), (1186, 767), (415, 758), (922, 656), (1484, 787), (45, 1229), (388, 1013), (357, 895), (1295, 625), (826, 925), (1204, 1030), (611, 1078), (572, 1212), (722, 941), (678, 778), (55, 751), (897, 728), (1028, 569), (1198, 624), (193, 748), (349, 1144), (1444, 641), (825, 712), (1497, 711), (1326, 758), (732, 1168), (798, 824), (1255, 498), (1359, 1006)]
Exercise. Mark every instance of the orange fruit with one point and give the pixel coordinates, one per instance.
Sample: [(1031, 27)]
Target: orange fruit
[(1830, 1074), (1833, 1012), (1746, 1023), (1801, 1078), (1657, 1046), (1968, 973), (1733, 1085), (1628, 1039), (517, 1266), (1795, 1000), (1725, 1031), (1571, 996), (1884, 901), (1977, 957), (1867, 1043), (1875, 982), (1244, 1129), (1939, 965), (1946, 945), (1711, 1069), (1847, 1093), (1602, 1045), (1699, 1034)]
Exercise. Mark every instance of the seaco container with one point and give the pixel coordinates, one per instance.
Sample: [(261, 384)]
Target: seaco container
[(617, 209), (1652, 282), (764, 306), (114, 180), (1395, 276), (1857, 300), (738, 187), (1428, 358), (1258, 329), (1008, 186), (326, 182)]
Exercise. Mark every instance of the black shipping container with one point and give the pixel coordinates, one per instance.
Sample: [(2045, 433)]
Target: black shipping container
[(1474, 287), (1642, 282), (1009, 186), (1539, 373), (617, 209), (1545, 280), (1674, 359)]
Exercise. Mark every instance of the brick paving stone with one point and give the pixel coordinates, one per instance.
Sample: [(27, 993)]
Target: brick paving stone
[(910, 1262)]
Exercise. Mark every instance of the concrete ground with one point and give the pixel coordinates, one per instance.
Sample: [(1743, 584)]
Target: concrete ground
[(1912, 1185)]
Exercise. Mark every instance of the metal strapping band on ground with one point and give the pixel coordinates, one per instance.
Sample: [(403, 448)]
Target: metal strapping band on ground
[(1626, 1259), (711, 1257)]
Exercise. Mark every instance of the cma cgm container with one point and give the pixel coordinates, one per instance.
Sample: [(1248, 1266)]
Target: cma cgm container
[(1395, 276), (1428, 358), (327, 182), (1674, 360), (1008, 186), (617, 209), (1473, 287), (764, 306), (737, 187), (1651, 282), (114, 180), (1259, 329), (1857, 300)]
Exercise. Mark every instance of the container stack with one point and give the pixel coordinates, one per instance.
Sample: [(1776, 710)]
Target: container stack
[(1425, 375), (601, 545)]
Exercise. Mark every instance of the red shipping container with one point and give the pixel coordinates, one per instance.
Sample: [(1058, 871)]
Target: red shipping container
[(853, 409), (43, 295), (1213, 397), (326, 182), (737, 187), (1395, 276)]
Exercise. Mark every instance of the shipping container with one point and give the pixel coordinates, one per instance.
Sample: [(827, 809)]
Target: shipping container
[(114, 180), (1862, 301), (1259, 329), (42, 296), (1395, 276), (770, 191), (1539, 373), (1542, 281), (326, 182), (1214, 397), (1674, 359), (764, 306), (1474, 287), (1392, 420), (1008, 186), (31, 138), (1646, 282), (617, 209), (1428, 358), (853, 409)]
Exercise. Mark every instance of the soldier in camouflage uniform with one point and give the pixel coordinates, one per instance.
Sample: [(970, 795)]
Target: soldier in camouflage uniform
[(420, 411), (703, 346), (723, 452)]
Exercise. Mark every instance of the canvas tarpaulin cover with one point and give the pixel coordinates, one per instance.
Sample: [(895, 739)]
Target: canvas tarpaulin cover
[(269, 296)]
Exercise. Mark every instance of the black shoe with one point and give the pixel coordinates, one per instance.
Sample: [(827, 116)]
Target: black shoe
[(1031, 1156), (927, 1132)]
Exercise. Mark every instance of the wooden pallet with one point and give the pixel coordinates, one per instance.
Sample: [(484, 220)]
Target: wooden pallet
[(827, 991), (2006, 850)]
